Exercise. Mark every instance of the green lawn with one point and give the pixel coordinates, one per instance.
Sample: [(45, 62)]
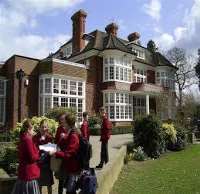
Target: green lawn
[(173, 173)]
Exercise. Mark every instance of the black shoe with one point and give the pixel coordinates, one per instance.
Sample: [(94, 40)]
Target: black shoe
[(100, 166)]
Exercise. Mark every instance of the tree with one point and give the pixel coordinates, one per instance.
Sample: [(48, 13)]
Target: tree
[(151, 46), (185, 72), (197, 67)]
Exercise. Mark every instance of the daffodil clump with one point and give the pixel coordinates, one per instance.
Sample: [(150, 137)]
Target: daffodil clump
[(170, 131)]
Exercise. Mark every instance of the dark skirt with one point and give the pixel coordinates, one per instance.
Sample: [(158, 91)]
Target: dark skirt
[(46, 176), (26, 187)]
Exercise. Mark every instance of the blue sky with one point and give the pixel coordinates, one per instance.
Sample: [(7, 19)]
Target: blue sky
[(37, 27)]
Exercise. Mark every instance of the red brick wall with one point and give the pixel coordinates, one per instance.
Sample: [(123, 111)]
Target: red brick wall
[(94, 96), (151, 77), (29, 93)]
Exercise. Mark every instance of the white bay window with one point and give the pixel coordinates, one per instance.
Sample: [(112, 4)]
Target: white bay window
[(118, 106), (61, 91), (140, 76), (117, 69)]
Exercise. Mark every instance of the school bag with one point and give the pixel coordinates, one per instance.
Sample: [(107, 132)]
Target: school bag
[(88, 181), (84, 153)]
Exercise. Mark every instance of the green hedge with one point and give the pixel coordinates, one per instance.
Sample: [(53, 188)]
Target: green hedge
[(115, 130)]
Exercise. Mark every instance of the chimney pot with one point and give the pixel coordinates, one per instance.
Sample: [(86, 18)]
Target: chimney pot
[(112, 29), (134, 36)]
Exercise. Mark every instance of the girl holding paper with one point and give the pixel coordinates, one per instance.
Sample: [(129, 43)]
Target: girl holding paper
[(28, 170), (46, 175)]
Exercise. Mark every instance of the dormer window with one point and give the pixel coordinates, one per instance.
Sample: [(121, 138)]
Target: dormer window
[(140, 53)]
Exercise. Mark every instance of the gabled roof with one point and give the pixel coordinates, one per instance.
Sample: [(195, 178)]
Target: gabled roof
[(162, 60)]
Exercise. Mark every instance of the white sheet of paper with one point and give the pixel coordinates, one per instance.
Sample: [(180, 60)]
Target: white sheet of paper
[(48, 147)]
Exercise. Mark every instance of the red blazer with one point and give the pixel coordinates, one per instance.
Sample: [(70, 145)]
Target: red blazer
[(28, 156), (69, 155), (38, 141), (61, 142), (85, 131), (105, 130)]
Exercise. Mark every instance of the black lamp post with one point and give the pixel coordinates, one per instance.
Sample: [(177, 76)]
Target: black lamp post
[(20, 75)]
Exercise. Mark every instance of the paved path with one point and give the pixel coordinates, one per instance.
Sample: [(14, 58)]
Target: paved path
[(115, 143)]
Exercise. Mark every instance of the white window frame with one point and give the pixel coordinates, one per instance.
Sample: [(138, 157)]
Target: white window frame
[(166, 79), (114, 66), (3, 97), (140, 74), (138, 107), (140, 53), (120, 102), (51, 95)]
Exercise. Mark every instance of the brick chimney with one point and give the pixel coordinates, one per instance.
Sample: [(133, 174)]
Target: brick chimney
[(112, 29), (78, 25)]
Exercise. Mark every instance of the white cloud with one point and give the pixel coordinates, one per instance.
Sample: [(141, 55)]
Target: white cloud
[(14, 18), (187, 34), (40, 6), (165, 41), (153, 9)]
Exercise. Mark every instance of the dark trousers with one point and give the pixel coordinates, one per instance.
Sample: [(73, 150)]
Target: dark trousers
[(60, 186), (104, 153)]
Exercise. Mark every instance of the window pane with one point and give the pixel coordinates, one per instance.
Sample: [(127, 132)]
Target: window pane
[(106, 61), (121, 74), (126, 98), (117, 112), (56, 86), (55, 101), (41, 86), (106, 98), (112, 112), (64, 102), (121, 98), (47, 85), (122, 112), (80, 109), (117, 97), (125, 74), (112, 100), (80, 88), (111, 60), (64, 86), (106, 73), (111, 72), (47, 104), (72, 87), (126, 112), (117, 73), (73, 102)]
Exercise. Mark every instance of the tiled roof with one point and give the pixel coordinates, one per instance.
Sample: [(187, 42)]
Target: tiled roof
[(101, 41)]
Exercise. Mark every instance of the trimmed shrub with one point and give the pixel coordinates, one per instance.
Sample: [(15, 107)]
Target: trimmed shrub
[(148, 134), (55, 112)]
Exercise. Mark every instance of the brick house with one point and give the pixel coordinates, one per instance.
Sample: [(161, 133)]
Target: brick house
[(89, 71)]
